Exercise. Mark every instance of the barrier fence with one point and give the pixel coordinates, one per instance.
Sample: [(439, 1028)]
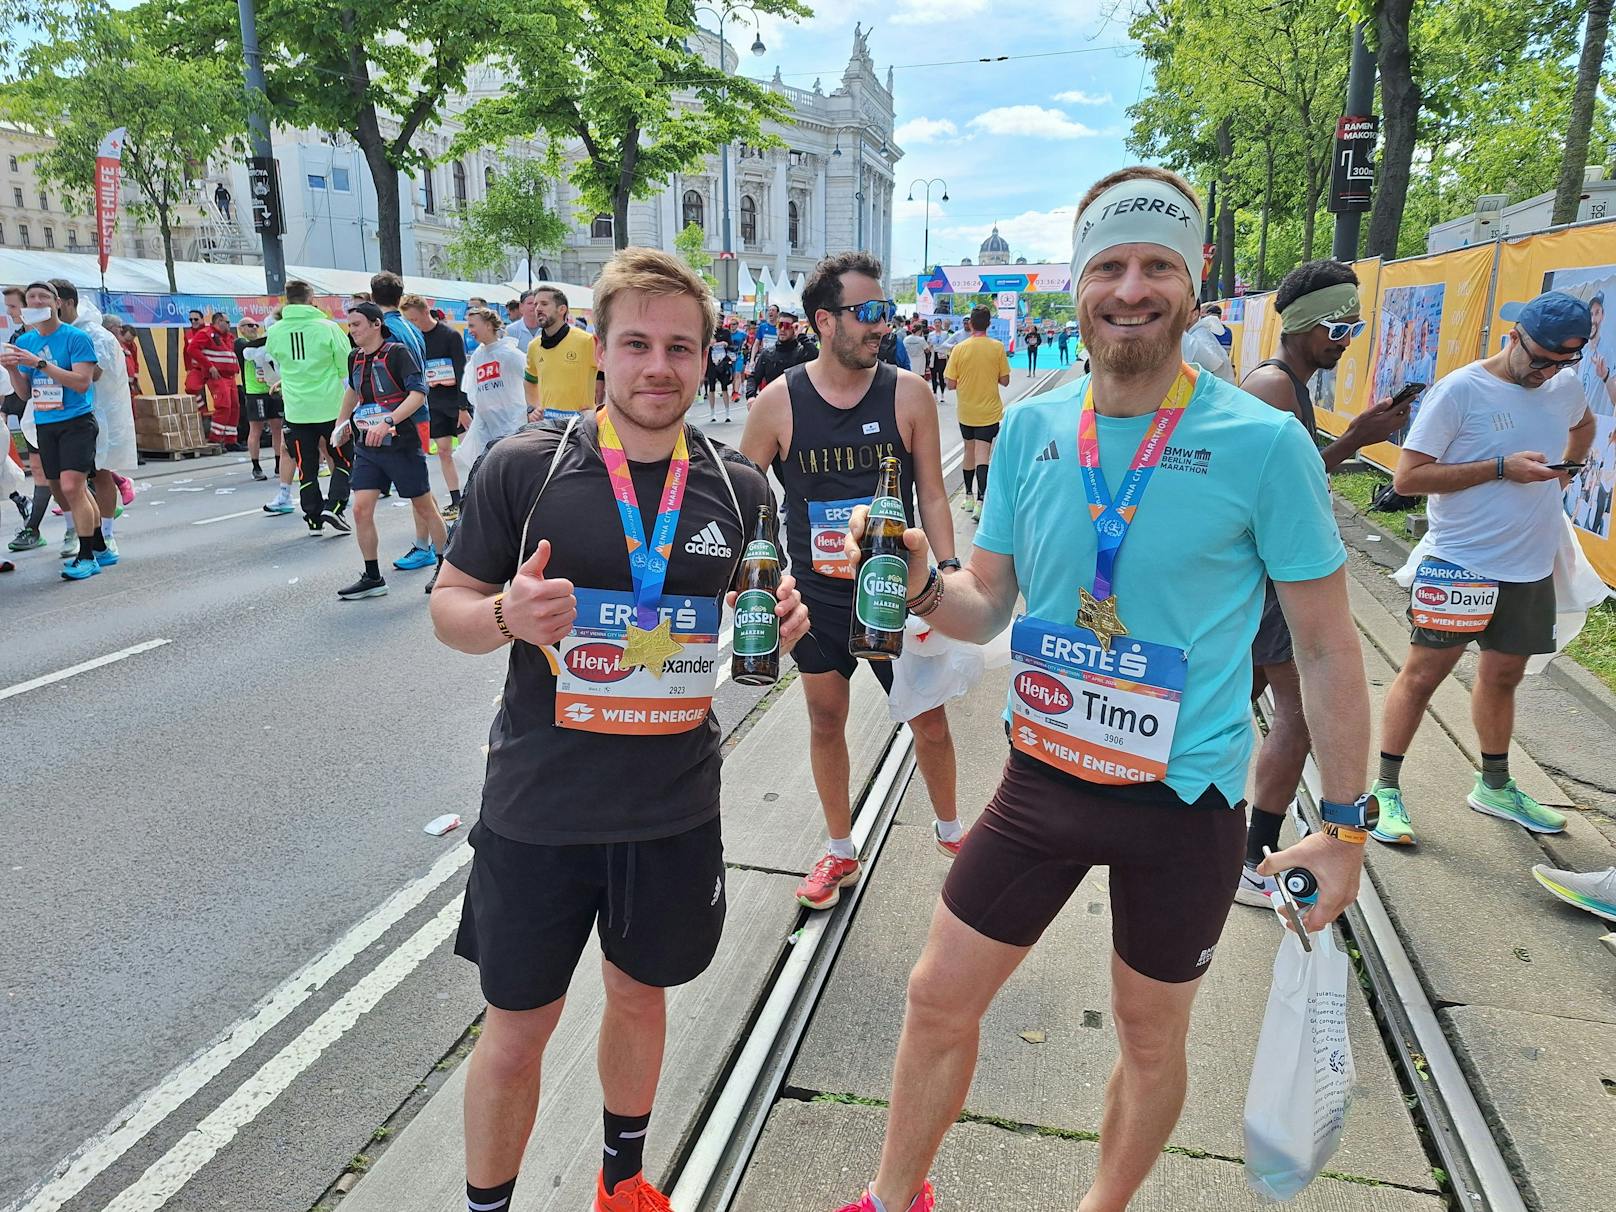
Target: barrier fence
[(1430, 315)]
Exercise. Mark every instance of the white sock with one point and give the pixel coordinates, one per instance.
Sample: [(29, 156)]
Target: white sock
[(875, 1201), (842, 848), (106, 528), (950, 831)]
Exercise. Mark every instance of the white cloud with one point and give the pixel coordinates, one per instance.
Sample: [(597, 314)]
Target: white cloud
[(935, 12), (1030, 120), (1077, 96), (923, 130), (1038, 235)]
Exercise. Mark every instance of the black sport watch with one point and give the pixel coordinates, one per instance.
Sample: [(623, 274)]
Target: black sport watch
[(951, 564), (1362, 813)]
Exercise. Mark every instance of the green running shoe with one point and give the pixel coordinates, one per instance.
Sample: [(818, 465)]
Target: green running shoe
[(1513, 804), (1393, 828)]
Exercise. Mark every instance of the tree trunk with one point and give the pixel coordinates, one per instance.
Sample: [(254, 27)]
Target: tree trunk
[(626, 174), (1575, 159), (1400, 104), (385, 179), (1267, 210), (1225, 138), (168, 248)]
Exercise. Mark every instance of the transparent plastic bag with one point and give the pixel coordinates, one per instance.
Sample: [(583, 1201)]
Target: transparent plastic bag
[(933, 670)]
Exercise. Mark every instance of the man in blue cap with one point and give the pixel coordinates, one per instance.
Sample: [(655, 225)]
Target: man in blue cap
[(1494, 446)]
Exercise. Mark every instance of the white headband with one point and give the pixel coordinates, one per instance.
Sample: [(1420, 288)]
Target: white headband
[(1141, 211)]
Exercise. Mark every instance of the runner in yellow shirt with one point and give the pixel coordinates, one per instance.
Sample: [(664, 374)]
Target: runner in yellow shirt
[(977, 368), (561, 374)]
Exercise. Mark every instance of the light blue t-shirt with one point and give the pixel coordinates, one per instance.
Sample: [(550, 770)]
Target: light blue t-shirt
[(1240, 493), (64, 347), (407, 335)]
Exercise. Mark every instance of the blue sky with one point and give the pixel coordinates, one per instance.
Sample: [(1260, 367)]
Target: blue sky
[(1017, 142)]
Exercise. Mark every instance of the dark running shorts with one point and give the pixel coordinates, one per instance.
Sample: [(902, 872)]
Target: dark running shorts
[(824, 648), (1522, 625), (1273, 643), (980, 433), (719, 376), (67, 445), (1173, 867), (262, 408), (377, 467), (657, 906), (443, 424)]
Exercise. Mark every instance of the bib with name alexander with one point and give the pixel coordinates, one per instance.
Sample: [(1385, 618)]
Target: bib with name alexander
[(47, 395), (1104, 715), (440, 372), (595, 692), (1445, 597), (827, 530)]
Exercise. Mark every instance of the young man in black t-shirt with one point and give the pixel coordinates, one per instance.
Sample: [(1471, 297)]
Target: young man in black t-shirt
[(448, 410), (600, 805)]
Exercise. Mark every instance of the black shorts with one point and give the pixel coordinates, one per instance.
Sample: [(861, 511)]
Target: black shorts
[(1522, 624), (258, 407), (1173, 867), (658, 908), (377, 467), (719, 376), (825, 650), (979, 433), (1273, 643), (67, 445), (442, 424)]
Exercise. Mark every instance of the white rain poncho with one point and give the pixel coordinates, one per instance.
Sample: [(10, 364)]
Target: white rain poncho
[(493, 384), (114, 414)]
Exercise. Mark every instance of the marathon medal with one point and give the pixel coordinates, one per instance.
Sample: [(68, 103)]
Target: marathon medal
[(649, 637)]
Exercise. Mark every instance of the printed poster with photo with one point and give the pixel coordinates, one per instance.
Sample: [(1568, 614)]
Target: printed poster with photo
[(1588, 499), (1408, 342)]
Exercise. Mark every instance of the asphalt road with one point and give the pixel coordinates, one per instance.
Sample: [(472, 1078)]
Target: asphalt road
[(227, 954)]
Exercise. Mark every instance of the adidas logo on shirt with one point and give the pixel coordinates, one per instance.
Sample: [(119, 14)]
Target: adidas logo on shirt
[(709, 541), (1048, 454)]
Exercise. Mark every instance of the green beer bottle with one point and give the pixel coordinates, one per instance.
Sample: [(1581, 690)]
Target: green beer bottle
[(757, 628), (881, 593)]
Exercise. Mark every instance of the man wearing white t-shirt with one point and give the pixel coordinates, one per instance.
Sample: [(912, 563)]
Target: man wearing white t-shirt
[(1477, 449)]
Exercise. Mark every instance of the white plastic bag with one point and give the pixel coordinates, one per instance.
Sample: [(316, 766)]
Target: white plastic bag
[(933, 670), (1302, 1082)]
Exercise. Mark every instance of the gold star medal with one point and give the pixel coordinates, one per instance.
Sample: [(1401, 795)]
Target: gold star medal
[(1100, 617), (653, 648)]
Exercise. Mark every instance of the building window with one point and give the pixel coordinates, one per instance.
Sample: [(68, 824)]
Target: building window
[(16, 196), (44, 202), (488, 178), (22, 234), (694, 209), (340, 180), (316, 180), (797, 158), (460, 185), (13, 163), (793, 224), (748, 219), (601, 228), (428, 195), (2, 235), (50, 237), (72, 236)]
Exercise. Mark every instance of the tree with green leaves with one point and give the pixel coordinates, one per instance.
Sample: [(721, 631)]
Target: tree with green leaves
[(629, 85), (691, 244), (511, 215), (1574, 160), (94, 70)]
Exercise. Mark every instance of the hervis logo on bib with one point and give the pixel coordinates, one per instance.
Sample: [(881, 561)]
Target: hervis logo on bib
[(597, 662), (1039, 690)]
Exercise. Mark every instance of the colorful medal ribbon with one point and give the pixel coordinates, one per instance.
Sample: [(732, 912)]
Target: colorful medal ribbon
[(1112, 517), (650, 642)]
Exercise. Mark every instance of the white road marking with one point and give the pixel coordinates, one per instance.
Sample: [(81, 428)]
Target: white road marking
[(83, 667), (165, 1177), (135, 1121), (725, 638), (226, 517)]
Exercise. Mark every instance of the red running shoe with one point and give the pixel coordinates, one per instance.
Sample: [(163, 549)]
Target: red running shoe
[(822, 887), (924, 1202), (126, 488), (951, 849), (630, 1195)]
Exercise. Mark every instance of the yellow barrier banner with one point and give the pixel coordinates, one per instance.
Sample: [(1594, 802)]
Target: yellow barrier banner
[(1338, 395), (1250, 345)]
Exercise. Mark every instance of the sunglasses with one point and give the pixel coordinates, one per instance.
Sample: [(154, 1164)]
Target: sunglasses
[(1545, 363), (1343, 330), (875, 311)]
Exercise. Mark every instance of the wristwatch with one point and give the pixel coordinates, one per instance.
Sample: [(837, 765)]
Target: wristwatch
[(951, 564), (1363, 813)]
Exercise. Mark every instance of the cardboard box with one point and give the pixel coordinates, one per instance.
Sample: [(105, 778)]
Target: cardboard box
[(166, 424), (164, 406)]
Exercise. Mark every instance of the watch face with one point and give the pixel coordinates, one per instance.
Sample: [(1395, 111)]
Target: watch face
[(1371, 811)]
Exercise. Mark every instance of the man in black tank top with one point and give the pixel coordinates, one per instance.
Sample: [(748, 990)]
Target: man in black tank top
[(825, 427), (1320, 316)]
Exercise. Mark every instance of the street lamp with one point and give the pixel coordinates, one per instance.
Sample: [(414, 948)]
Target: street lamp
[(727, 12), (926, 255)]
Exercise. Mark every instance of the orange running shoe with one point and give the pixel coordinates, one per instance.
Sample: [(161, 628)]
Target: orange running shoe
[(924, 1202), (630, 1195), (822, 887)]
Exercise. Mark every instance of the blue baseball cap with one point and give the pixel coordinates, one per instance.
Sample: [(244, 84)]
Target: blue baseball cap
[(1552, 320)]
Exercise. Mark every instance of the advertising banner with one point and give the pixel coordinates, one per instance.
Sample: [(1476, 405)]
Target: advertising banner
[(108, 158), (1338, 394), (991, 279), (1251, 349)]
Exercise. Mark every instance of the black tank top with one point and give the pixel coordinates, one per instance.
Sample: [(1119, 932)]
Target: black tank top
[(1304, 397), (832, 466)]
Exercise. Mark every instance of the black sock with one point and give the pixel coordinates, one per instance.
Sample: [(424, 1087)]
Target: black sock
[(1263, 831), (970, 478), (624, 1152), (982, 482), (489, 1199), (86, 547), (1391, 768), (1495, 770), (98, 541), (454, 496), (373, 570), (36, 515)]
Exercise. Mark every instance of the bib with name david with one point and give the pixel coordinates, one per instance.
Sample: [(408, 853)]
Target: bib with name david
[(1447, 598)]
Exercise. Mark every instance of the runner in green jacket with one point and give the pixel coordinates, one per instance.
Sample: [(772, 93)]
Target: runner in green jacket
[(311, 352)]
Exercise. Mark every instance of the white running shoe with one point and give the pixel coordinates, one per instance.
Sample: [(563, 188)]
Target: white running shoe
[(1594, 891), (1253, 889)]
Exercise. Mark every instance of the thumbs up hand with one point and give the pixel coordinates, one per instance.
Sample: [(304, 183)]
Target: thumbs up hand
[(539, 609)]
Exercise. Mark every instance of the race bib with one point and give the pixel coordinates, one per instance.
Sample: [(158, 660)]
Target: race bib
[(1448, 598), (47, 395), (594, 693), (1105, 717), (827, 528), (368, 416), (440, 372)]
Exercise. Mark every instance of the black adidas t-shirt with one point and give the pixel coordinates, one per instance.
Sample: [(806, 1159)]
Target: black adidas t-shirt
[(559, 786)]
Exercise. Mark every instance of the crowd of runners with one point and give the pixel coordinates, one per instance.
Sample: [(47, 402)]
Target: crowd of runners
[(600, 526)]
